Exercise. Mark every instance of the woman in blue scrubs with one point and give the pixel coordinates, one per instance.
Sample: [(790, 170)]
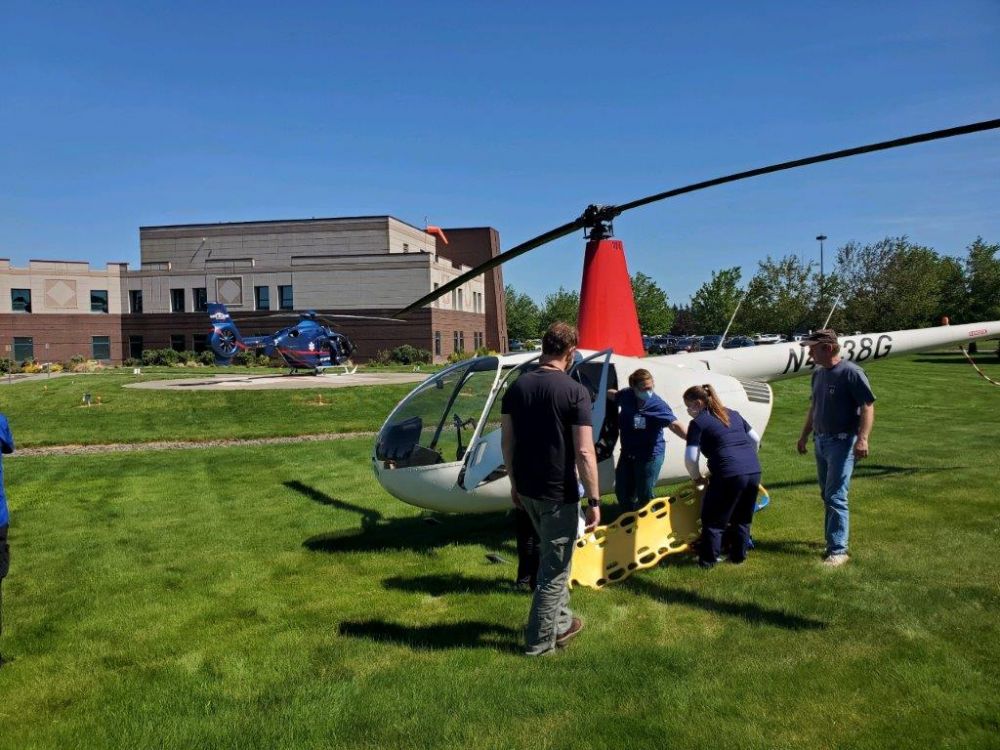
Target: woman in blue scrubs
[(730, 444), (642, 415)]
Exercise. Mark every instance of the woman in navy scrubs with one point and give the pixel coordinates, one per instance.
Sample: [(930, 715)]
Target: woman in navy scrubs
[(642, 415), (730, 444)]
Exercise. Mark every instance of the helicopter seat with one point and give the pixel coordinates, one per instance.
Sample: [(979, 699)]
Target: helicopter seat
[(399, 445)]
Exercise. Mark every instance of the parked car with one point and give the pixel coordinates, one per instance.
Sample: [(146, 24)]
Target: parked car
[(768, 338), (516, 346), (689, 344), (737, 342), (662, 345), (710, 342)]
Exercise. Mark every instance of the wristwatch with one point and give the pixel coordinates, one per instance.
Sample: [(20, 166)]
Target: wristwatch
[(593, 502)]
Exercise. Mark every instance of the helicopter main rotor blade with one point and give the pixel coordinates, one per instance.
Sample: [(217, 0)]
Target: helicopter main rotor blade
[(842, 154), (596, 214), (455, 283)]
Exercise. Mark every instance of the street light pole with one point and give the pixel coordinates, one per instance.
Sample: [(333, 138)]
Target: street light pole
[(821, 238)]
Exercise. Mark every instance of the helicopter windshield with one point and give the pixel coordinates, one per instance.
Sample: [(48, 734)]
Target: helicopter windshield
[(435, 422)]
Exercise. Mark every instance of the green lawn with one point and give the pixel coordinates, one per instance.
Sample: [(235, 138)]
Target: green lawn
[(277, 597), (51, 412)]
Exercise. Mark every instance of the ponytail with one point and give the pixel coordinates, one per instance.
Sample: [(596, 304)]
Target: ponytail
[(707, 394)]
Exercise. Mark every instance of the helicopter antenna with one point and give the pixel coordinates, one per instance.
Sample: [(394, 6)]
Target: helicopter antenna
[(733, 316), (835, 303)]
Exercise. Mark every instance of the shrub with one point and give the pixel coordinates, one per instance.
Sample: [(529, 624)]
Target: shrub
[(460, 356), (187, 357), (7, 365), (31, 366), (410, 355), (55, 367), (76, 359), (207, 357), (132, 362)]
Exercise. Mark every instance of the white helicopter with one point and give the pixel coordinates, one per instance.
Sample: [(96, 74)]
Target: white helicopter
[(439, 449)]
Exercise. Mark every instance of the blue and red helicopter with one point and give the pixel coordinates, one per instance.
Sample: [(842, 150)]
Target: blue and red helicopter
[(310, 344)]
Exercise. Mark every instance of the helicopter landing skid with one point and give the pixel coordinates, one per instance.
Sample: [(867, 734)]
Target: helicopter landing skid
[(640, 539)]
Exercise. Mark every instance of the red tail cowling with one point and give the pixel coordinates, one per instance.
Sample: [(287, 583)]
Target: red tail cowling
[(607, 308)]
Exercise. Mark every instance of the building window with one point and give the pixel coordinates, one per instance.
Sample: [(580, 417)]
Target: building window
[(406, 247), (461, 305), (437, 302), (262, 297), (176, 300), (200, 296), (199, 341), (135, 347), (285, 298), (477, 339), (454, 299), (99, 302), (24, 348), (100, 347), (177, 341), (459, 340), (20, 300), (135, 300), (437, 343)]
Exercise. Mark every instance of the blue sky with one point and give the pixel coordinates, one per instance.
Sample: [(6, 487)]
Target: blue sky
[(514, 115)]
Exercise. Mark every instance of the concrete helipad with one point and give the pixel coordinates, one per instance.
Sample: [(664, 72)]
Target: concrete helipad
[(262, 382)]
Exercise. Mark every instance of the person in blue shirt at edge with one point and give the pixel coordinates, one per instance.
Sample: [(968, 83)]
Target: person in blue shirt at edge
[(642, 415), (6, 446), (730, 444)]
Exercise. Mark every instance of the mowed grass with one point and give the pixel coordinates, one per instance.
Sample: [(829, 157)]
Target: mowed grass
[(277, 597), (51, 412)]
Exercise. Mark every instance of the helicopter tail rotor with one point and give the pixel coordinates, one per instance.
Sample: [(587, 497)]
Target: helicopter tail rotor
[(225, 339)]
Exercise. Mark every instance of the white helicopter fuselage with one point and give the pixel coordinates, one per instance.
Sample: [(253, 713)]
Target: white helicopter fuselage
[(440, 447)]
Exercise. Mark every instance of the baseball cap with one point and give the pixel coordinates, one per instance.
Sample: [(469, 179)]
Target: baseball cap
[(822, 336)]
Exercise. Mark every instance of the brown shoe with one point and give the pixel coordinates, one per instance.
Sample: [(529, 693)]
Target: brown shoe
[(574, 627)]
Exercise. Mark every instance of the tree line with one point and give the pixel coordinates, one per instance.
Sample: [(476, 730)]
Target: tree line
[(883, 286)]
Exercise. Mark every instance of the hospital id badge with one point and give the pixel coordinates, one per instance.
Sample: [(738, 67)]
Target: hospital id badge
[(639, 422)]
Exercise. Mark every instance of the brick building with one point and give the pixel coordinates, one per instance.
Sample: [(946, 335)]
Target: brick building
[(358, 266)]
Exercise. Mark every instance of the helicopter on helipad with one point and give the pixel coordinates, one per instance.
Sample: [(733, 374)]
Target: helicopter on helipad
[(310, 344), (440, 447)]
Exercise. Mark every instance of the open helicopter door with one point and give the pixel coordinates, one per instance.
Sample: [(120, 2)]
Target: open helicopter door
[(484, 458), (597, 374)]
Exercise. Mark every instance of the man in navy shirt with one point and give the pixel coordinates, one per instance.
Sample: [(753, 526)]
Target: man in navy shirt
[(6, 446), (841, 415)]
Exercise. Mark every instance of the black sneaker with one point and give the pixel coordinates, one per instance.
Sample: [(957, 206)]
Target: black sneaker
[(706, 564), (574, 627)]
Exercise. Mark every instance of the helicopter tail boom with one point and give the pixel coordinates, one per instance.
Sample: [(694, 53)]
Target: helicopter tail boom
[(787, 360)]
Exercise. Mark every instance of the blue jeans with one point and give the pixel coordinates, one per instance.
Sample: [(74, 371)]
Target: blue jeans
[(550, 616), (635, 479), (834, 464)]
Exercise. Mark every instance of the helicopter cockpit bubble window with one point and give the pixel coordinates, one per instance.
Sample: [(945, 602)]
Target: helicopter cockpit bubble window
[(435, 422), (484, 458)]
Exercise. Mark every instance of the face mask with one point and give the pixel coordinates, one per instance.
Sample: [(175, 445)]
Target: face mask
[(643, 396)]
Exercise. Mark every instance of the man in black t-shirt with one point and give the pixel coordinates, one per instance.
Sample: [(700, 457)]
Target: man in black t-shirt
[(547, 440)]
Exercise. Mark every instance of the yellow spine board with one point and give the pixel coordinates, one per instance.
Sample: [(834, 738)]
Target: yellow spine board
[(637, 540), (640, 539)]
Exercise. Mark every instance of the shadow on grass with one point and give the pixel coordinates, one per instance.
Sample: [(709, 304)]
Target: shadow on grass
[(865, 470), (369, 517), (789, 547), (753, 614), (420, 534), (438, 585), (469, 634)]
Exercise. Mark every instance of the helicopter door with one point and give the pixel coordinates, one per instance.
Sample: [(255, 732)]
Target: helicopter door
[(597, 374), (484, 459)]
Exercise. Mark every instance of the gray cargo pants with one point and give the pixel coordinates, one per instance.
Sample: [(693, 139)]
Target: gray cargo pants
[(556, 524)]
